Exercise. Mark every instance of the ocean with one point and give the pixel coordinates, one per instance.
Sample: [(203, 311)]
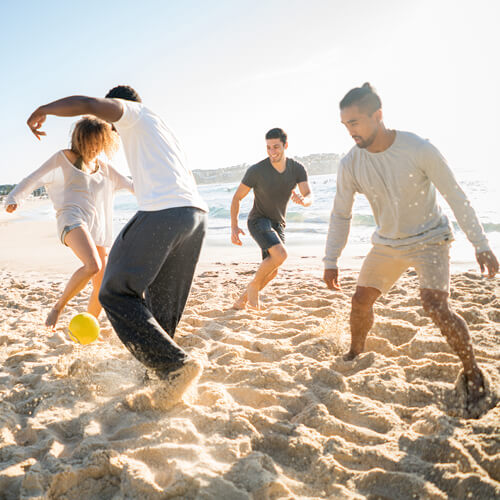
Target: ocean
[(307, 227)]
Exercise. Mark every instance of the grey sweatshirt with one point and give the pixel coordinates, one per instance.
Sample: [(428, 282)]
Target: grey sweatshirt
[(400, 184)]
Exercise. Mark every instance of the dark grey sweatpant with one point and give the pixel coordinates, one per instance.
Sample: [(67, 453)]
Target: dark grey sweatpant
[(147, 282)]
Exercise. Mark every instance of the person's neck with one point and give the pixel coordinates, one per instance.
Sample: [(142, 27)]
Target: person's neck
[(88, 167), (383, 140), (280, 165)]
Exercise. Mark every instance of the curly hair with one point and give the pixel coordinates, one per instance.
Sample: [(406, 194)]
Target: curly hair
[(124, 92), (92, 136)]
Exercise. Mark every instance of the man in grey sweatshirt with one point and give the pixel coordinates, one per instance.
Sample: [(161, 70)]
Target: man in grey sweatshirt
[(399, 172)]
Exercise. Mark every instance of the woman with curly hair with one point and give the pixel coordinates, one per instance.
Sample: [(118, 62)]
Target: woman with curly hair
[(81, 187)]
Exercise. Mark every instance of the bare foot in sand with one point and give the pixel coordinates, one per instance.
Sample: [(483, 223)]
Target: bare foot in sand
[(349, 356), (476, 392), (53, 317), (241, 303), (168, 391), (253, 296)]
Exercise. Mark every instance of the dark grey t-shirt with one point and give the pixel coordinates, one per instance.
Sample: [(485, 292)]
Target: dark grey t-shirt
[(272, 190)]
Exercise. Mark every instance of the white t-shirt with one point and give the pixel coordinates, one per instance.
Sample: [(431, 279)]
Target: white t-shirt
[(156, 160), (78, 197), (399, 184)]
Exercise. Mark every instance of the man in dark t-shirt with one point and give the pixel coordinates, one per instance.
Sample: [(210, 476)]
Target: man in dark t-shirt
[(273, 181)]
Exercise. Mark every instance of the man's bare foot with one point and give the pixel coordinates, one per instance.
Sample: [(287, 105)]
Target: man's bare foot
[(253, 296), (476, 392), (52, 317), (349, 356), (241, 303)]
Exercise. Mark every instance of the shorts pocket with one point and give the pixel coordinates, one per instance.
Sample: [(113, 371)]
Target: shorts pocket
[(133, 221)]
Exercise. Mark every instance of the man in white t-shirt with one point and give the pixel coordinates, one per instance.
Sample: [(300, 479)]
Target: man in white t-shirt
[(399, 172), (152, 261)]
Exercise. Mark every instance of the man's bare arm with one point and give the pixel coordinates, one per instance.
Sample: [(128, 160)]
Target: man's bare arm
[(240, 193), (109, 110), (305, 198)]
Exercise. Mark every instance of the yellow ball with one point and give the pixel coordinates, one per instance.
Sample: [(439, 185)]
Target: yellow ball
[(84, 328)]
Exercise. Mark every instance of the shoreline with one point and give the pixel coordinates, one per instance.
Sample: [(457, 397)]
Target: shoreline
[(32, 245)]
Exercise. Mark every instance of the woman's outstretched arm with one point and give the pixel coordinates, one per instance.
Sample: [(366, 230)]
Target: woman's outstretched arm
[(42, 176)]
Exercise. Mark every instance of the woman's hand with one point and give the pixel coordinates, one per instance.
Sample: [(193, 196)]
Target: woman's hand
[(10, 208)]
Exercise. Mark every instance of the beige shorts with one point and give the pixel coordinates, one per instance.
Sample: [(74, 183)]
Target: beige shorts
[(384, 265)]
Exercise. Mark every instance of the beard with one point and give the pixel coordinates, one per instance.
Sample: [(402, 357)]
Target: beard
[(365, 143)]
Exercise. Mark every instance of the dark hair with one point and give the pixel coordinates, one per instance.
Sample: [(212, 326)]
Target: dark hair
[(124, 92), (277, 133), (364, 97)]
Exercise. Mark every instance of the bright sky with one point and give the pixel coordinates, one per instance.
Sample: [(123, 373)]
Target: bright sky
[(221, 73)]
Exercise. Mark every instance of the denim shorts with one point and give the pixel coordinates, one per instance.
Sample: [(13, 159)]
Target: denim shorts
[(67, 229), (266, 233)]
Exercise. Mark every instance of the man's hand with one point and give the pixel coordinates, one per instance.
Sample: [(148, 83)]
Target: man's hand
[(235, 235), (487, 261), (10, 208), (109, 110), (298, 198), (35, 122), (331, 278)]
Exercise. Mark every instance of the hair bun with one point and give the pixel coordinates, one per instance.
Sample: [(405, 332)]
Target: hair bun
[(366, 85)]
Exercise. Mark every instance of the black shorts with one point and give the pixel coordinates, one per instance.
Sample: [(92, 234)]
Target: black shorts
[(266, 233)]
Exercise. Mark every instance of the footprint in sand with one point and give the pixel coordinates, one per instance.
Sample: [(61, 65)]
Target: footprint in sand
[(362, 412), (279, 316), (314, 303), (322, 312), (405, 314), (472, 315), (398, 332), (254, 398)]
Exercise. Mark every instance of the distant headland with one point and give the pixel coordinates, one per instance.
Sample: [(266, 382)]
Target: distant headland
[(316, 164)]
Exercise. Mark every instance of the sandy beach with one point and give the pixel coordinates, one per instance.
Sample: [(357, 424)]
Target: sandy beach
[(276, 413)]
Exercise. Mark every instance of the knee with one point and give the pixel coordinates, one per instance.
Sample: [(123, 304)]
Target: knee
[(363, 301), (93, 266), (438, 310), (104, 294), (279, 254), (105, 290)]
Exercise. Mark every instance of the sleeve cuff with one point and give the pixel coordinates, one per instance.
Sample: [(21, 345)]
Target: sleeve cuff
[(330, 263), (10, 200), (483, 246)]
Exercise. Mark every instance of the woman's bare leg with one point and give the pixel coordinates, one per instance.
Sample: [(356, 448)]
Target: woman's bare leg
[(83, 246), (94, 306)]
